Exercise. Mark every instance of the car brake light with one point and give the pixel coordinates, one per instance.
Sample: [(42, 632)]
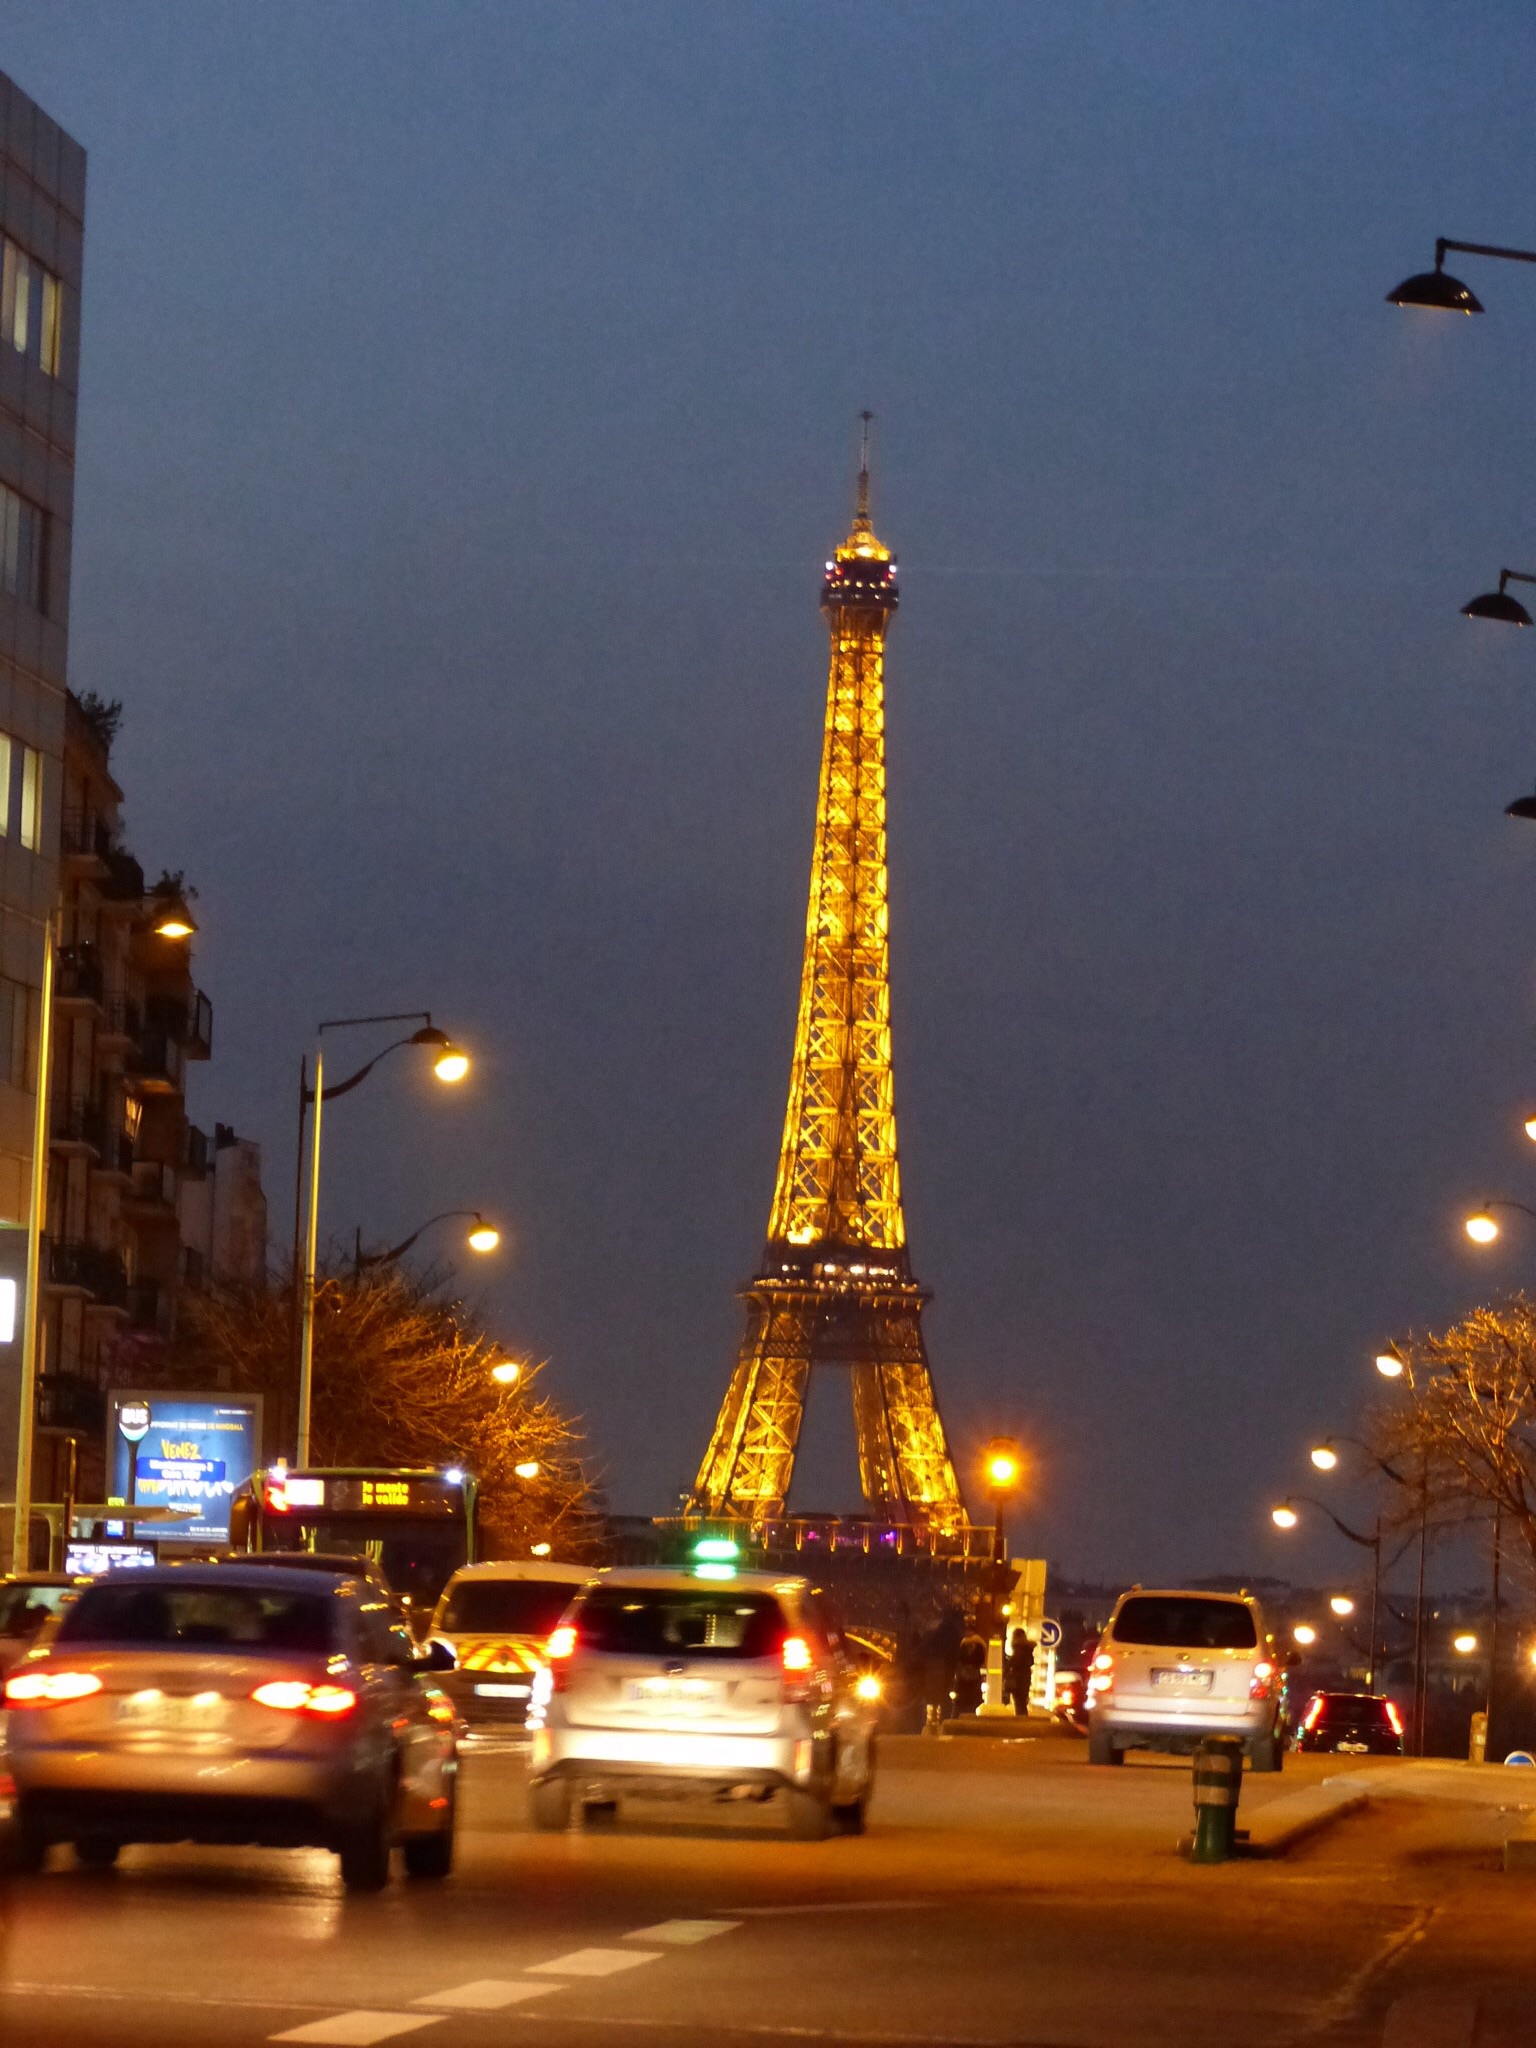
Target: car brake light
[(1394, 1717), (562, 1643), (1103, 1662), (1258, 1686), (49, 1688), (1310, 1718), (796, 1652), (294, 1696)]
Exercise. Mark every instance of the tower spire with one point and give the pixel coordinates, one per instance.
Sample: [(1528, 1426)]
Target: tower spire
[(861, 517)]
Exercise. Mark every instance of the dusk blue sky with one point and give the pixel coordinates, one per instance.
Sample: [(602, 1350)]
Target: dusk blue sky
[(469, 403)]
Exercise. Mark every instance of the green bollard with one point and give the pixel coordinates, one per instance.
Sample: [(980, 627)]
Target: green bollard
[(1218, 1781)]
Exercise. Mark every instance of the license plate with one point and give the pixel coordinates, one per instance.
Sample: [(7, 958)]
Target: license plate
[(695, 1694), (502, 1692), (1183, 1681), (153, 1709)]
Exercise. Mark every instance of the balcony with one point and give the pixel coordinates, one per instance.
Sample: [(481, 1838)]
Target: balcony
[(154, 1063), (123, 884), (121, 1023), (153, 1194), (67, 1402), (76, 1126), (85, 840), (148, 1305), (77, 978), (189, 1023), (115, 1157), (88, 1269)]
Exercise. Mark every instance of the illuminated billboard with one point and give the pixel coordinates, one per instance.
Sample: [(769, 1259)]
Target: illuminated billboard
[(183, 1451)]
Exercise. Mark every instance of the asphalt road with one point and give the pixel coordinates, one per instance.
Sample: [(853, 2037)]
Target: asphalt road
[(1001, 1895)]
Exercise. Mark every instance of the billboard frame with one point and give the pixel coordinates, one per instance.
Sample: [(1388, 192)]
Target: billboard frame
[(168, 1536)]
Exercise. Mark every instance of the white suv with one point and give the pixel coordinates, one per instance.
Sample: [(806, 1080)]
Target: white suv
[(1173, 1667), (725, 1683)]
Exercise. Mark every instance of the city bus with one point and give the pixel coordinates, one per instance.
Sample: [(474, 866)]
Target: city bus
[(418, 1527)]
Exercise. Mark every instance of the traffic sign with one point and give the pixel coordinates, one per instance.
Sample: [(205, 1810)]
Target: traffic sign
[(1050, 1633), (133, 1420)]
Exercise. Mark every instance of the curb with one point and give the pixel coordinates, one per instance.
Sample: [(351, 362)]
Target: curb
[(1281, 1823)]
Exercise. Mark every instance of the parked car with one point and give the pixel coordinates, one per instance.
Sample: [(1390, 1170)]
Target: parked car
[(497, 1618), (733, 1685), (27, 1602), (1173, 1667), (220, 1703), (1351, 1723)]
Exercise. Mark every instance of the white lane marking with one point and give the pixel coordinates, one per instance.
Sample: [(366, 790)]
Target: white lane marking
[(486, 1994), (593, 1962), (681, 1933), (358, 2029), (840, 1906)]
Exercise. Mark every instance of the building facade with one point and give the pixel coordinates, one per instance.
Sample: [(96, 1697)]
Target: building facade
[(42, 220)]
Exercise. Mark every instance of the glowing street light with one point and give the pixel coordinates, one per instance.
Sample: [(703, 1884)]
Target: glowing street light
[(1464, 1644), (1481, 1227), (1324, 1457), (484, 1238), (1284, 1516), (539, 1549), (1304, 1633), (528, 1469), (451, 1064), (1391, 1363), (1342, 1605), (1530, 1128), (507, 1372)]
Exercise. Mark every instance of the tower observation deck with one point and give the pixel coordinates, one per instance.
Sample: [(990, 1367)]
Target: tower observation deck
[(835, 1288)]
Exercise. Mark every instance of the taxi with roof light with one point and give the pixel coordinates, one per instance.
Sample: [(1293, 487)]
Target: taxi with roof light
[(215, 1703), (1175, 1666), (710, 1681)]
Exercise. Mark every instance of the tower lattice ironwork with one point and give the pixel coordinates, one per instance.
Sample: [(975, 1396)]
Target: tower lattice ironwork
[(835, 1287)]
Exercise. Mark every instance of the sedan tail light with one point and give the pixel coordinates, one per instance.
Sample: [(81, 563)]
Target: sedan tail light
[(1394, 1717), (295, 1696), (1263, 1673), (796, 1653), (1309, 1719), (49, 1688)]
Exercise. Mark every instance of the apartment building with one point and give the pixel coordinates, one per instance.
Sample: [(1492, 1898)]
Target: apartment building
[(42, 217)]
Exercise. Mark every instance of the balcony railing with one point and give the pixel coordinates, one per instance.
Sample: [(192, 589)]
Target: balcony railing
[(83, 832), (146, 1303), (67, 1402), (154, 1185), (155, 1061), (75, 1122), (77, 977), (123, 1019), (124, 881), (89, 1267), (189, 1023)]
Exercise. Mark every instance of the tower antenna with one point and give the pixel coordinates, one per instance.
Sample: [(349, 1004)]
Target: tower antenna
[(863, 514)]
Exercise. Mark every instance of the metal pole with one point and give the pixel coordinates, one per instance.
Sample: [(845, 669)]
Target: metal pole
[(307, 1296), (1493, 1633), (21, 1533), (1420, 1673), (1370, 1676)]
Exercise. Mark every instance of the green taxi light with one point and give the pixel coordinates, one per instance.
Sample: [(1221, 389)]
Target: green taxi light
[(714, 1571), (717, 1549)]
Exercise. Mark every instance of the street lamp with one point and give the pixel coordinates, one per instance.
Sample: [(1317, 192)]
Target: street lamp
[(1341, 1604), (1391, 1363), (1498, 605), (483, 1238), (1438, 292), (449, 1064), (1370, 1543), (1464, 1644), (1305, 1634), (1482, 1226), (507, 1373), (528, 1469), (1004, 1466), (1324, 1457), (1284, 1516)]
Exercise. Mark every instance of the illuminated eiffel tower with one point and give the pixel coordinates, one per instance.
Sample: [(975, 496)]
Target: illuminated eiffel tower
[(835, 1288)]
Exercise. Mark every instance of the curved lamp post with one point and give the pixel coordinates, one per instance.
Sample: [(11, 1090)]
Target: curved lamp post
[(1286, 1517), (1436, 291), (1498, 605), (1482, 1226), (482, 1239), (1003, 1463), (449, 1063)]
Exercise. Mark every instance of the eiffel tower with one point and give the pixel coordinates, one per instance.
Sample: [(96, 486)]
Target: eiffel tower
[(835, 1288)]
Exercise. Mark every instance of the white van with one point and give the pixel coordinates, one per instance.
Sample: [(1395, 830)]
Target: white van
[(497, 1618), (1176, 1666)]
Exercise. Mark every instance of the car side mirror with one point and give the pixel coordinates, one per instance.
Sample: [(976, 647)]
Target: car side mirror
[(438, 1656)]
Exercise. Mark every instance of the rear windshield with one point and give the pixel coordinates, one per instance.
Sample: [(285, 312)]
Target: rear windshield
[(24, 1609), (1181, 1622), (655, 1621), (1350, 1711), (201, 1618), (507, 1607)]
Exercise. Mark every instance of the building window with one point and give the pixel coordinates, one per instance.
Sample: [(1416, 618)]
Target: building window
[(23, 547), (18, 1033), (31, 798), (31, 308)]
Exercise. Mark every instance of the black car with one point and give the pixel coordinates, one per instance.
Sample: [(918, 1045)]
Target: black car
[(1354, 1723)]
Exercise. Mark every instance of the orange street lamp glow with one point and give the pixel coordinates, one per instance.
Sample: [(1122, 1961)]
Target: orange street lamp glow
[(529, 1469), (174, 925), (1530, 1128), (1342, 1605), (1390, 1363), (1324, 1457), (1464, 1645), (1304, 1633), (451, 1064), (1284, 1517), (484, 1238), (1002, 1470), (507, 1373), (1481, 1228), (540, 1549)]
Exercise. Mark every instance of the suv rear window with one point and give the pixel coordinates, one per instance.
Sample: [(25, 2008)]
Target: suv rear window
[(1353, 1711), (676, 1621), (1181, 1622), (507, 1607), (192, 1617)]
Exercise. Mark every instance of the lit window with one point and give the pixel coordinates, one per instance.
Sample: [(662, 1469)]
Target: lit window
[(31, 308), (5, 785), (31, 798), (23, 536)]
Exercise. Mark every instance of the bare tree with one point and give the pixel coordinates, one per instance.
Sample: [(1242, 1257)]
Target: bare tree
[(1463, 1419), (402, 1376)]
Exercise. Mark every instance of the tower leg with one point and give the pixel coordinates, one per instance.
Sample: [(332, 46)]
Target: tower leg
[(751, 1458)]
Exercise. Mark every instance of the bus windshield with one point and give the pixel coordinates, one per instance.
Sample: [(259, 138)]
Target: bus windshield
[(417, 1527)]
